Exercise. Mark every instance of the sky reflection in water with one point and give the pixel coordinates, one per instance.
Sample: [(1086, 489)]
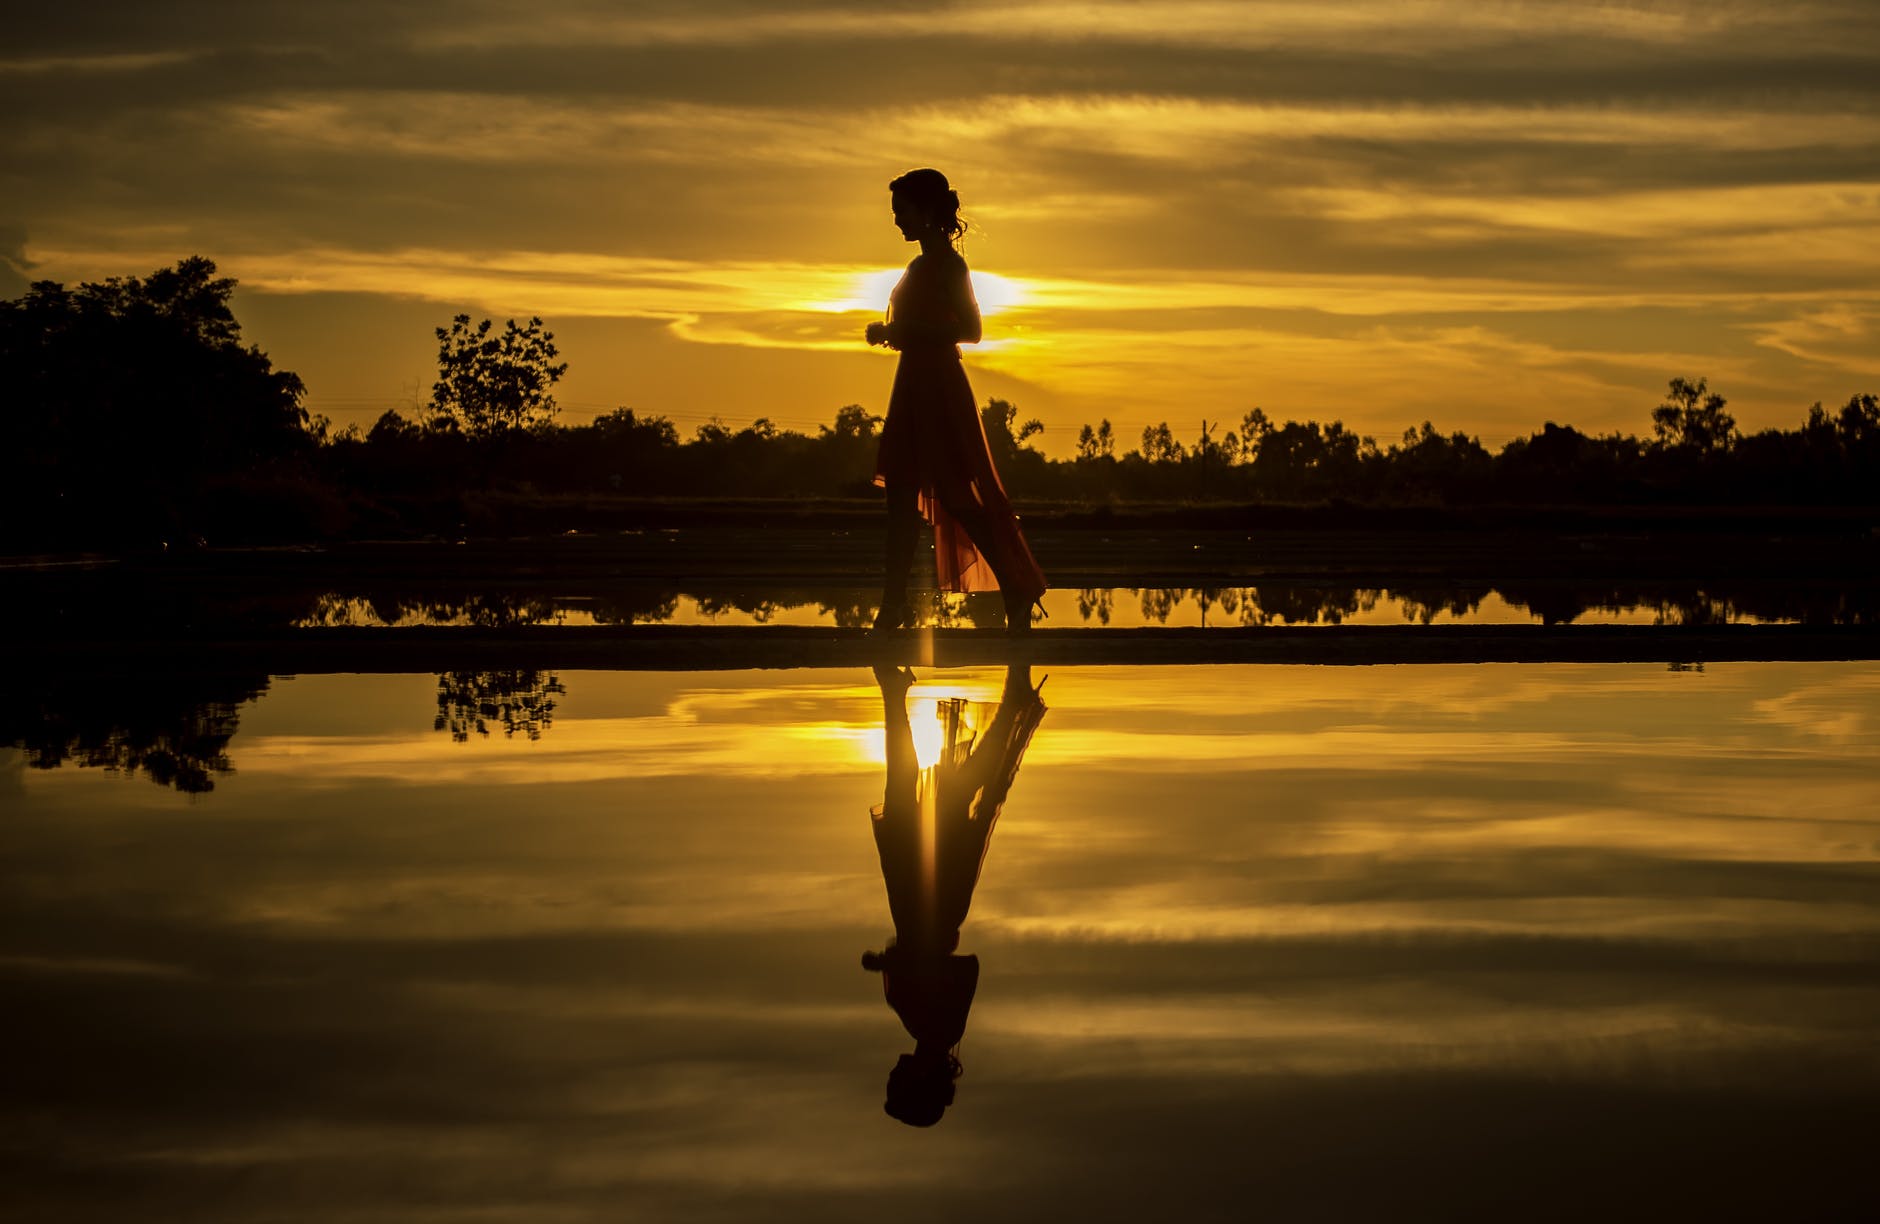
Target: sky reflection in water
[(1527, 939)]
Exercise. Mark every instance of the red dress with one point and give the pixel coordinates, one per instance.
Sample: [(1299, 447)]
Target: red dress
[(934, 441)]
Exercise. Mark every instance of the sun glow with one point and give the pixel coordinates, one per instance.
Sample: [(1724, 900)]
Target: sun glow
[(870, 291), (926, 717), (923, 717)]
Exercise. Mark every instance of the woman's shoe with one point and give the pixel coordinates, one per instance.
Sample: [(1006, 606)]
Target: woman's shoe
[(1019, 621), (894, 681)]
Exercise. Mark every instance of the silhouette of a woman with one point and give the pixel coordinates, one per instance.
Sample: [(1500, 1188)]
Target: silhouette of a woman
[(931, 831), (934, 460)]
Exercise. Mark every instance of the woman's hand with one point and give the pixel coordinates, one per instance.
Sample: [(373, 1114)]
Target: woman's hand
[(878, 333)]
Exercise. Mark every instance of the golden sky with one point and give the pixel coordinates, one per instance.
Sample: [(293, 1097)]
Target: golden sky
[(1485, 214)]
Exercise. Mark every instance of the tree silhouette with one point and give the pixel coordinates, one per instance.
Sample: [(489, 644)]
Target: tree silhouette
[(999, 417), (121, 400), (492, 385), (1159, 444), (852, 421), (1430, 464), (1692, 416), (1303, 459), (1254, 427)]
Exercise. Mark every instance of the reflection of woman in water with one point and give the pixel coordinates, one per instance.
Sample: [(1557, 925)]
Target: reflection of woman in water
[(931, 830), (933, 458)]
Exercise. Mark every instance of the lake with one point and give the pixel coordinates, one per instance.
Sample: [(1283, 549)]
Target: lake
[(1398, 942)]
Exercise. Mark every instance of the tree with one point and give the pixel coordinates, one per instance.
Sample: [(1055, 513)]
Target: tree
[(1254, 427), (1304, 458), (1159, 444), (1429, 463), (1692, 417), (136, 394), (1098, 443), (998, 417), (852, 421), (1858, 422), (623, 426), (392, 429), (490, 385)]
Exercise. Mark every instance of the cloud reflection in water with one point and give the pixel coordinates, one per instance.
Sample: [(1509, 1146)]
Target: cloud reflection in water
[(1244, 931)]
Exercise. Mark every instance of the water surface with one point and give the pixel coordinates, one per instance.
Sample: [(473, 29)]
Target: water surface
[(1442, 602), (1395, 942)]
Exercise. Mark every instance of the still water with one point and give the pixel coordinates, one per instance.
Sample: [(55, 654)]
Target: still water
[(1472, 942)]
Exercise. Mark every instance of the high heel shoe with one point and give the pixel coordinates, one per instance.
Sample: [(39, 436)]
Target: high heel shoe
[(1019, 622), (893, 616)]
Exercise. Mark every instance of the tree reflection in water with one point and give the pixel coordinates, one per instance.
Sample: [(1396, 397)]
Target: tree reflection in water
[(1553, 603), (173, 728), (931, 831), (1095, 604), (517, 701)]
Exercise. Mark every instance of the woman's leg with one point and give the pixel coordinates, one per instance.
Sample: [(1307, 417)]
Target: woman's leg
[(902, 535)]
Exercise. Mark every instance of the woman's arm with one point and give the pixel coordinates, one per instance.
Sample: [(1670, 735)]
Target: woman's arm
[(965, 305)]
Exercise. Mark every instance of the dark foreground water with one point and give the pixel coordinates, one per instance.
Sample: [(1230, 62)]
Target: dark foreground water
[(1489, 942)]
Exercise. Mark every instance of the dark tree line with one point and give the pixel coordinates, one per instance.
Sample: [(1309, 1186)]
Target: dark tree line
[(134, 414), (1695, 456), (134, 400)]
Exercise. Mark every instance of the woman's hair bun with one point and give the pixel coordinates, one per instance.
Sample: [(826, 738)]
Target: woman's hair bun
[(928, 189)]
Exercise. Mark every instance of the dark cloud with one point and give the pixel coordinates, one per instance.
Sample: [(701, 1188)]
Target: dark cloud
[(1775, 65)]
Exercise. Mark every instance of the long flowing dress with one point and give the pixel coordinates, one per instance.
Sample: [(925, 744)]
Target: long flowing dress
[(932, 829), (934, 824), (933, 439)]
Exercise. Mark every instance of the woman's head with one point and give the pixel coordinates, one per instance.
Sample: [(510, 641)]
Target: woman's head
[(921, 1088), (925, 203)]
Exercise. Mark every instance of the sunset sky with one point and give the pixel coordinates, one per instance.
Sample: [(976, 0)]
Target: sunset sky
[(1485, 214)]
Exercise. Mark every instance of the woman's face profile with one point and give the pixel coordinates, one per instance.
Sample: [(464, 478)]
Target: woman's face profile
[(908, 219)]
